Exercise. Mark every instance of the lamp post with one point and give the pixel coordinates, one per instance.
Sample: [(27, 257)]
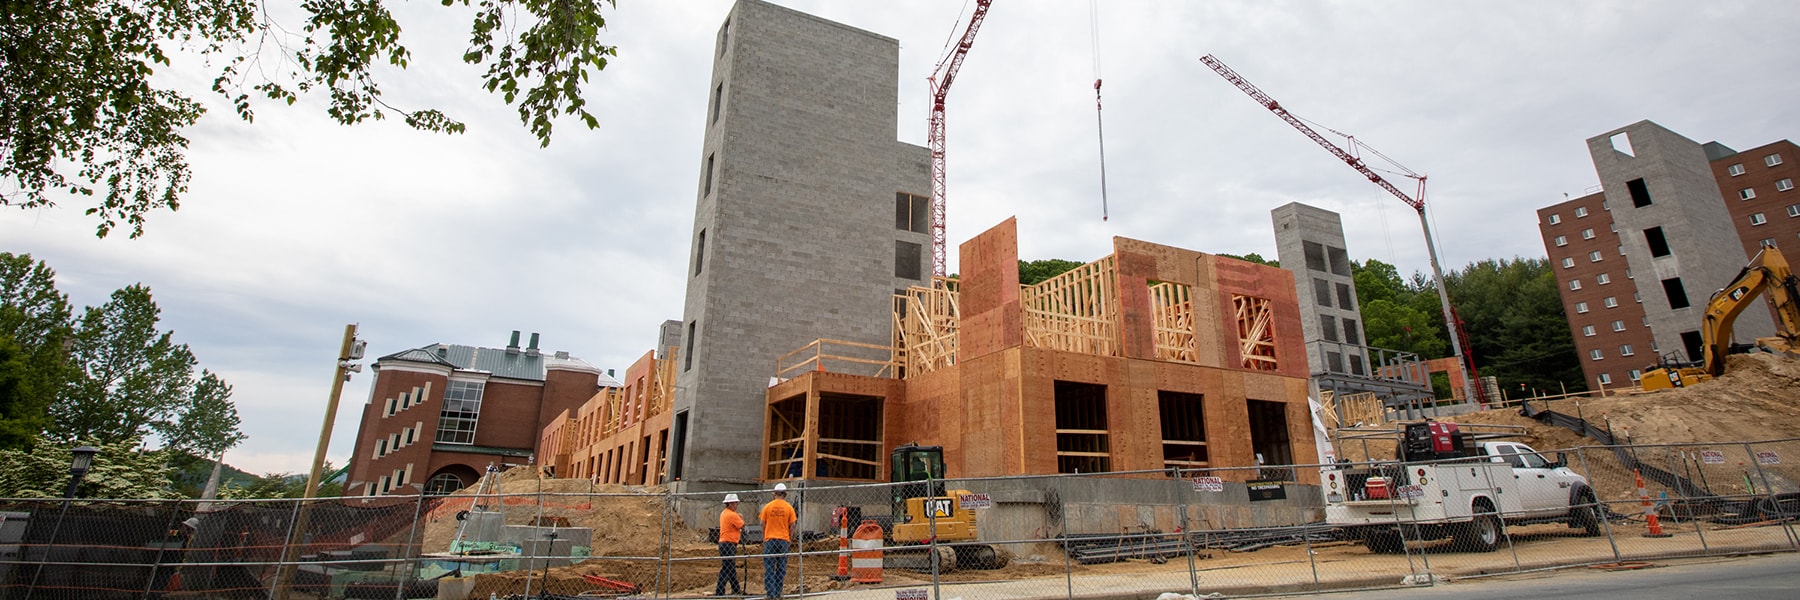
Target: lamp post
[(80, 460)]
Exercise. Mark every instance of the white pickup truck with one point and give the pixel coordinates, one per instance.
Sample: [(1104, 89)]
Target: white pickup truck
[(1470, 497)]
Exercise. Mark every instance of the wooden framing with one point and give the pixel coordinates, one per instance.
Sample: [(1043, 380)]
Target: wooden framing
[(1357, 410), (827, 425), (1173, 306), (1182, 417), (839, 356), (927, 326), (1077, 311), (1256, 332)]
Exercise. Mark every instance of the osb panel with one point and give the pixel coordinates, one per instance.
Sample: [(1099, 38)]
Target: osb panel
[(1085, 368), (1037, 398), (1233, 276), (1132, 417), (913, 418), (1228, 425), (1137, 317), (1269, 387), (787, 389), (990, 284), (1214, 339), (1171, 263), (860, 385), (989, 401)]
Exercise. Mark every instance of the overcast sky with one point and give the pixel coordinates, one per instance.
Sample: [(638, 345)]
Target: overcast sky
[(295, 226)]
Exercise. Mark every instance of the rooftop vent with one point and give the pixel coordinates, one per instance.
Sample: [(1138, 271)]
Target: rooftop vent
[(531, 350), (512, 347)]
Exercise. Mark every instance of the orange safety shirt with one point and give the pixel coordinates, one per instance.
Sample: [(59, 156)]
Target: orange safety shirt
[(777, 518), (731, 526)]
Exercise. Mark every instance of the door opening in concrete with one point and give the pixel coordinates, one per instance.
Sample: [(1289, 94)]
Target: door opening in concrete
[(1183, 429), (1081, 435), (1269, 439), (1690, 342)]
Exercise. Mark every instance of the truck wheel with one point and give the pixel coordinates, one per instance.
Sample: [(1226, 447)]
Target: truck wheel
[(1481, 534), (1384, 543), (1585, 515)]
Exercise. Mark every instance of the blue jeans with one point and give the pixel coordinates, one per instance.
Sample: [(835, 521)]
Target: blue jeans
[(728, 570), (774, 567)]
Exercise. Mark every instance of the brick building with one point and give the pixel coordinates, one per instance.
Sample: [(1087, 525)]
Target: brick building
[(438, 415), (1676, 220), (621, 434)]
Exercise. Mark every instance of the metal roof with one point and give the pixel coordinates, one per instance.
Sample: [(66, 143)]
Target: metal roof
[(497, 362)]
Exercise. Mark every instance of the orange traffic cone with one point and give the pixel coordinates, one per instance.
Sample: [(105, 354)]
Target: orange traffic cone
[(843, 572), (1656, 530)]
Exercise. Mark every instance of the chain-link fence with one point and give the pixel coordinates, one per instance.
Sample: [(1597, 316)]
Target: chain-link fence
[(1234, 532)]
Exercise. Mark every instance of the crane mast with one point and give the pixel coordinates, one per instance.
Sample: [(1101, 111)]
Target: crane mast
[(939, 82), (1451, 328)]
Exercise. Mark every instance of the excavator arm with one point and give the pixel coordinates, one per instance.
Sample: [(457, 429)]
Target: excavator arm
[(1767, 273)]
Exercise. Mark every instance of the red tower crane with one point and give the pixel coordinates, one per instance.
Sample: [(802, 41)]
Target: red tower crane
[(939, 82), (1453, 328)]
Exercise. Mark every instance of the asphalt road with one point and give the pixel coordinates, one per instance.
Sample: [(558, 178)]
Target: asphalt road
[(1767, 577)]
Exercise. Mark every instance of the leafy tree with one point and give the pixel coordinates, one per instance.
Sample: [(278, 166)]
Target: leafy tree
[(34, 324), (1038, 271), (1514, 315), (83, 116), (120, 470), (208, 426), (1255, 258), (1401, 327), (133, 380), (282, 485)]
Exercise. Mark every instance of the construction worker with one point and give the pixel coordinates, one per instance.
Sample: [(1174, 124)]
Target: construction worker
[(778, 522), (731, 530)]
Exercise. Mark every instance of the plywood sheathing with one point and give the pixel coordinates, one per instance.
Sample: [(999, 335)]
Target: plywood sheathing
[(990, 292), (1236, 277), (811, 388)]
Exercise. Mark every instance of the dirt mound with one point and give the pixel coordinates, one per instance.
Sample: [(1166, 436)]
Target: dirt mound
[(626, 521)]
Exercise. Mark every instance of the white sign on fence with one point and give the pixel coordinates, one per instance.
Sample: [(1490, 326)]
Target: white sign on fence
[(1712, 457), (1767, 457), (911, 594), (974, 501), (1209, 484)]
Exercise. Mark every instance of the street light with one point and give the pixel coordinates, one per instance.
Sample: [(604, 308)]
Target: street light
[(80, 460)]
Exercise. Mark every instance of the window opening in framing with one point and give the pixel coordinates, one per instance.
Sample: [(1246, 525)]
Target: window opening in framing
[(1269, 439), (1081, 433), (1183, 429), (786, 443), (850, 439), (1256, 332)]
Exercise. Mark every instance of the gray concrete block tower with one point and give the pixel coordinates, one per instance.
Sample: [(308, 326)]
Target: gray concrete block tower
[(809, 216), (1681, 247), (1309, 241)]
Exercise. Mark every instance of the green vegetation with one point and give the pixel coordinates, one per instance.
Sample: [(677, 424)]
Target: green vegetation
[(1038, 271), (85, 116)]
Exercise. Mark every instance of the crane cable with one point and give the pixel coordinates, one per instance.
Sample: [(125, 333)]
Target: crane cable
[(1099, 121)]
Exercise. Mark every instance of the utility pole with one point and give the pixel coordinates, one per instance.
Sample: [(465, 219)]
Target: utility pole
[(348, 354)]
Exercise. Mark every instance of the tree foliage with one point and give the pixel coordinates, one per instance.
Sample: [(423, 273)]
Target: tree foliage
[(34, 323), (1517, 329), (133, 380), (207, 425), (120, 470), (1253, 257), (1037, 271), (1399, 314), (84, 116)]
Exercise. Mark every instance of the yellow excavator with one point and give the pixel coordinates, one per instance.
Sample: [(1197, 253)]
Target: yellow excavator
[(924, 511), (1768, 273)]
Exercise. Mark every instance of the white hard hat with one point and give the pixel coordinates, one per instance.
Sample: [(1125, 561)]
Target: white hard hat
[(730, 498), (780, 487)]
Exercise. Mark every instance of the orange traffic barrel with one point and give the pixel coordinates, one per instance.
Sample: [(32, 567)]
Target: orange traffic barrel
[(865, 553)]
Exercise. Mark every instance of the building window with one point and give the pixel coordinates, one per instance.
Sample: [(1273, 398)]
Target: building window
[(1568, 263), (442, 484), (1613, 227), (1587, 330), (1595, 354), (1640, 195), (1626, 350), (1746, 194), (1646, 320), (724, 37), (1618, 325), (911, 212), (1735, 170), (700, 252), (1581, 307), (1580, 211), (1574, 284), (1562, 240), (1621, 249), (1604, 205), (1612, 302), (1784, 185), (1758, 219), (1659, 245), (1322, 292), (1605, 379), (462, 407), (718, 102), (1638, 298), (1350, 333), (1603, 279), (1636, 375), (1628, 272), (1772, 160), (1676, 292), (687, 358), (1587, 234), (1328, 327), (709, 176), (906, 259), (1594, 256), (1555, 219), (1346, 299)]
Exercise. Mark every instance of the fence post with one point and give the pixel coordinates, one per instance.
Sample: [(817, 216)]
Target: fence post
[(1786, 524), (411, 568), (286, 542), (1669, 458), (156, 563), (1601, 510), (931, 552), (1187, 533), (1062, 509)]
